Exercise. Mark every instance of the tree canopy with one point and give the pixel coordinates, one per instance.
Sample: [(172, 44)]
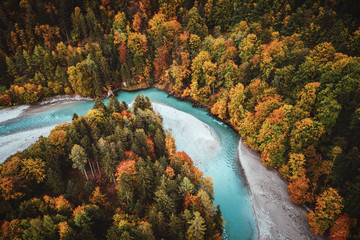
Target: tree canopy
[(120, 183), (284, 74)]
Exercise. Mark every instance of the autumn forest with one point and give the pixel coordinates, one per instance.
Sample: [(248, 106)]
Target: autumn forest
[(285, 74)]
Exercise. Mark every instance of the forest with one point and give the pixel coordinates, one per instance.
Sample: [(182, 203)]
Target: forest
[(113, 174), (284, 73)]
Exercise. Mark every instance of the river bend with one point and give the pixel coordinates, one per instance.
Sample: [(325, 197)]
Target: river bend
[(211, 144)]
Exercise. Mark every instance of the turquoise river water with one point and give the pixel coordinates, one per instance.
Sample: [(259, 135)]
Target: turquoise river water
[(223, 166)]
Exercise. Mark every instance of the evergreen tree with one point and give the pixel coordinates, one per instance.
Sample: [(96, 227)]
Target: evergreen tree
[(197, 227), (98, 104)]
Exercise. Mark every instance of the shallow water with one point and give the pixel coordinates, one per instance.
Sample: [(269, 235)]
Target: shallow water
[(222, 165)]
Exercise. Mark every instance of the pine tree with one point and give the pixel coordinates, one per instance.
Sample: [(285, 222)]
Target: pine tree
[(145, 183), (159, 140), (197, 227), (176, 227), (98, 104), (114, 105)]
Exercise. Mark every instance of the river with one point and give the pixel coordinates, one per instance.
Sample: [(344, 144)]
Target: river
[(211, 144)]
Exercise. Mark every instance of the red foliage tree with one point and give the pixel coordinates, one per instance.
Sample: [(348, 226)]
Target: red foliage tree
[(299, 190), (150, 143), (341, 228), (122, 53)]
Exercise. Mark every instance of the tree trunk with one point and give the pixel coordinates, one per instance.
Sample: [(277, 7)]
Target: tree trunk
[(91, 168), (113, 178), (334, 160), (97, 163), (87, 178)]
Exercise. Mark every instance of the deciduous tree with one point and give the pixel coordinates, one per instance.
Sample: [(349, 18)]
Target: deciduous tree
[(328, 208), (79, 158)]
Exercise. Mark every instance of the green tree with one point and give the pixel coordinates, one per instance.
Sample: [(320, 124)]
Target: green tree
[(84, 78), (195, 23), (98, 104), (305, 133), (248, 47), (79, 158), (139, 145), (114, 105), (196, 228), (145, 180), (159, 140), (164, 202), (328, 110), (176, 227)]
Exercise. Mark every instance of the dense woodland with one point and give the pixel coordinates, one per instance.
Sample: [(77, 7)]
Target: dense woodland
[(284, 73), (113, 174)]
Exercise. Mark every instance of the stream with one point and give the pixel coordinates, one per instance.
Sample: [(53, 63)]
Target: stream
[(210, 143)]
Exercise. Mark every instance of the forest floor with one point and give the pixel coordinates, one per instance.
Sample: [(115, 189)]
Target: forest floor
[(277, 217)]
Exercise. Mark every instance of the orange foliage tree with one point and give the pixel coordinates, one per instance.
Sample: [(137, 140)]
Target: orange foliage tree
[(183, 158), (170, 172), (59, 204), (220, 107), (48, 33), (127, 166), (341, 228), (299, 190), (99, 199), (12, 229), (328, 208), (170, 145), (150, 144), (250, 126), (33, 169)]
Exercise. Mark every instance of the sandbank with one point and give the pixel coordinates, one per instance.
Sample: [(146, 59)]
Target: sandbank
[(277, 217)]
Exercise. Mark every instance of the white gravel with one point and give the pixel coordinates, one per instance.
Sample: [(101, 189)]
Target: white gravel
[(20, 141), (11, 113), (198, 141), (277, 217)]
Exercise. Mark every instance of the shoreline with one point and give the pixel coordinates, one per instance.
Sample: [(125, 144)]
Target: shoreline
[(207, 141), (197, 104), (267, 190), (276, 216), (23, 110), (269, 195)]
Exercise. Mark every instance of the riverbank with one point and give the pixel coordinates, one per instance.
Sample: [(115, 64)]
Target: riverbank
[(9, 145), (196, 104), (13, 112), (42, 119), (203, 142), (277, 217), (7, 114), (213, 148)]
